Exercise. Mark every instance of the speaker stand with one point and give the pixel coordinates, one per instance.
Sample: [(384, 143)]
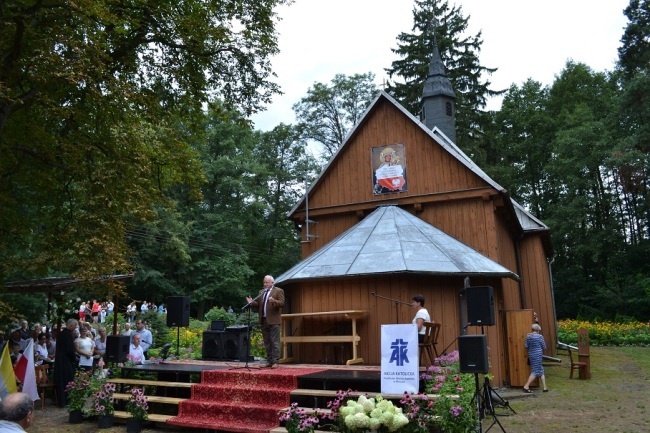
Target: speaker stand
[(248, 340), (178, 341), (485, 405)]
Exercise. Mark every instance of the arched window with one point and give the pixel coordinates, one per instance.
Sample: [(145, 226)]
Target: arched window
[(448, 109)]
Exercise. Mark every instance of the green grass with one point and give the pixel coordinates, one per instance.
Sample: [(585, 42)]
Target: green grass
[(613, 400)]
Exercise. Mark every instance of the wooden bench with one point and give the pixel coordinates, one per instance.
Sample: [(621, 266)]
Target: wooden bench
[(353, 338)]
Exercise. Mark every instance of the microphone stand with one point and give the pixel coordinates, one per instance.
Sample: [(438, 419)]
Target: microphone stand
[(396, 301), (248, 331)]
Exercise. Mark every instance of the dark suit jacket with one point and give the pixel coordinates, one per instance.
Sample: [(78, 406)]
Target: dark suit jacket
[(273, 310)]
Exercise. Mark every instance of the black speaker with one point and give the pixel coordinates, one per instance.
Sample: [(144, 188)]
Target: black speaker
[(235, 345), (178, 311), (472, 354), (117, 347), (213, 345), (480, 305)]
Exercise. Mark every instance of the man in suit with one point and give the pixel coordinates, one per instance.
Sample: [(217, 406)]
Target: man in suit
[(269, 303)]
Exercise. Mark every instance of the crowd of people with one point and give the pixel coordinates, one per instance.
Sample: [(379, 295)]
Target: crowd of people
[(79, 343)]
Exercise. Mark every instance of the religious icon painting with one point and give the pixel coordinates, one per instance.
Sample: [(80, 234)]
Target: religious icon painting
[(388, 169)]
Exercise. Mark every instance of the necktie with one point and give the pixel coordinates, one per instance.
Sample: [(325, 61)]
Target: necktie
[(266, 299)]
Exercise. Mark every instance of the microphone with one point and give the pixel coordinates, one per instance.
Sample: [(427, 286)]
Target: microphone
[(253, 300)]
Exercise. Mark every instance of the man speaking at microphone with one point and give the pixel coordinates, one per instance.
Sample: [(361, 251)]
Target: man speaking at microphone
[(269, 303)]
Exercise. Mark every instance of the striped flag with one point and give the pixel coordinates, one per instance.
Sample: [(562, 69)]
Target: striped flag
[(7, 376), (26, 371)]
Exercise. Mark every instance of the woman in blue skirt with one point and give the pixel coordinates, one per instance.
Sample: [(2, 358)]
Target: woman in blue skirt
[(536, 346)]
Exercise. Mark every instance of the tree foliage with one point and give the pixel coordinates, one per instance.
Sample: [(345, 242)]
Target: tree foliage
[(91, 94), (328, 112), (435, 20)]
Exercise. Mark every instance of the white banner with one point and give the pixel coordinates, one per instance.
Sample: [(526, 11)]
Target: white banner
[(400, 360)]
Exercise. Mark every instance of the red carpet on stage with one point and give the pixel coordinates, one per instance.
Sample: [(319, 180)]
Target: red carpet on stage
[(239, 400)]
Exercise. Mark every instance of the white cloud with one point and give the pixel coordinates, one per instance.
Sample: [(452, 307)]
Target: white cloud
[(523, 39)]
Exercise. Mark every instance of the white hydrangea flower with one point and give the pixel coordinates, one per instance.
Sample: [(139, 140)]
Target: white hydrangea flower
[(368, 404), (374, 423), (398, 422)]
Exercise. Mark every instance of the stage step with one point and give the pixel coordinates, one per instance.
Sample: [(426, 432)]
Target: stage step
[(151, 417), (150, 398), (284, 430), (334, 393), (308, 410), (142, 382)]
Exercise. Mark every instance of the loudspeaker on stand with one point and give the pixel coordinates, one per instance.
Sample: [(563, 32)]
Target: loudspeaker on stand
[(472, 354), (178, 311), (480, 305)]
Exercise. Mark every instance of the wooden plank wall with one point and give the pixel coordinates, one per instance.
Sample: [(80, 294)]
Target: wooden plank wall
[(442, 295), (538, 296), (349, 179)]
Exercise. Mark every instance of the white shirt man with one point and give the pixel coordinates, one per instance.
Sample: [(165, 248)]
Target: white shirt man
[(136, 353)]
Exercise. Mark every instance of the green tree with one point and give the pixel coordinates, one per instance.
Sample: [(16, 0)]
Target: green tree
[(459, 53), (91, 94), (523, 134), (586, 232), (329, 112), (287, 169)]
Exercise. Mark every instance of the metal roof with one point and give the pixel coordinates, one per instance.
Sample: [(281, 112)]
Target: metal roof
[(391, 240)]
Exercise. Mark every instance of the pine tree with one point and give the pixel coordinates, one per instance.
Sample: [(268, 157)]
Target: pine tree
[(435, 19)]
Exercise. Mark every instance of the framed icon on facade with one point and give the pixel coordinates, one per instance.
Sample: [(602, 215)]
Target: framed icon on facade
[(388, 169)]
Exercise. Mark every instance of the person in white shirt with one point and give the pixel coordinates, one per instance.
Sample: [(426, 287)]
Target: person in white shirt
[(41, 354), (100, 342), (84, 346), (135, 350), (146, 337), (421, 315)]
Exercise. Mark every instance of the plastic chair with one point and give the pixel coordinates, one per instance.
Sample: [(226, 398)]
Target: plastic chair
[(428, 345), (43, 383)]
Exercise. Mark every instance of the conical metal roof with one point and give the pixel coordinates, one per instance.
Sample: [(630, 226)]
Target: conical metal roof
[(391, 240)]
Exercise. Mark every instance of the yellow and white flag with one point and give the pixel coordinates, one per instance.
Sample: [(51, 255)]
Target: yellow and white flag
[(7, 376)]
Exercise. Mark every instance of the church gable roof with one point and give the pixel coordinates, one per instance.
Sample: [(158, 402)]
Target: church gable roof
[(438, 137), (391, 240)]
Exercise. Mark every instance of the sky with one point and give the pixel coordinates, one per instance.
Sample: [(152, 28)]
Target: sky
[(522, 38)]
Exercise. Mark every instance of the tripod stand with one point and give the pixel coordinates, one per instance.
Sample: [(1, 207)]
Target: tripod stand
[(484, 404), (248, 334)]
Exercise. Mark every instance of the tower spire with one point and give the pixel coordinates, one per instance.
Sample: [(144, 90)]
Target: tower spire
[(438, 102)]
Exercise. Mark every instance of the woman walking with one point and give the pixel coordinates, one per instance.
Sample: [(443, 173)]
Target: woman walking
[(536, 346)]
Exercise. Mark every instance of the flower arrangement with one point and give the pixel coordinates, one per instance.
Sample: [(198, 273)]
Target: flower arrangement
[(78, 390), (298, 420), (103, 403), (138, 404), (376, 414), (453, 410)]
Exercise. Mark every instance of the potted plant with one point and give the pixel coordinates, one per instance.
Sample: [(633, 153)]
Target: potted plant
[(103, 404), (297, 420), (77, 391), (137, 406)]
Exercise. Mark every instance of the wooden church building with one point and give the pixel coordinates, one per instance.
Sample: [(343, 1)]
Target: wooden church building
[(400, 210)]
